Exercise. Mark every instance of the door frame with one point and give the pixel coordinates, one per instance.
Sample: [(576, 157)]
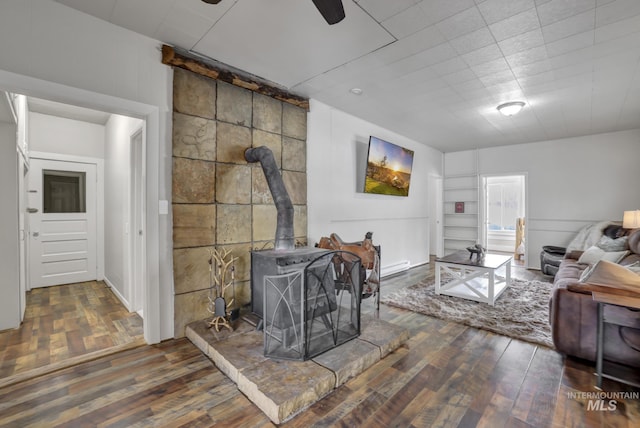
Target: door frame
[(99, 164), (482, 208), (158, 290), (137, 225)]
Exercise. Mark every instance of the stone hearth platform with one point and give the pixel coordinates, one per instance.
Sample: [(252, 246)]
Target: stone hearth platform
[(282, 388)]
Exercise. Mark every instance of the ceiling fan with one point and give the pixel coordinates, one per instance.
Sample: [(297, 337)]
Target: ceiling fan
[(331, 10)]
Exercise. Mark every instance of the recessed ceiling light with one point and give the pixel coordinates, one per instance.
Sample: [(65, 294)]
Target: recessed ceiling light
[(511, 108), (356, 91)]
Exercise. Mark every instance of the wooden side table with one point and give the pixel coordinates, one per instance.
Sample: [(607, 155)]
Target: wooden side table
[(604, 299)]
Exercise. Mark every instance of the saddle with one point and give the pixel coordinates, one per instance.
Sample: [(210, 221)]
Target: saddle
[(364, 249)]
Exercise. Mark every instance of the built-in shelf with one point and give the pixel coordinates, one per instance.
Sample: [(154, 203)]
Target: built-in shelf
[(460, 229)]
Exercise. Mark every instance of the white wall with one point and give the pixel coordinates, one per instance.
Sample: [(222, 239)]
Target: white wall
[(50, 51), (336, 163), (118, 131), (9, 249), (570, 182), (51, 134)]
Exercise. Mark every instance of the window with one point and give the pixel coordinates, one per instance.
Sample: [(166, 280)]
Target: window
[(63, 192), (504, 202)]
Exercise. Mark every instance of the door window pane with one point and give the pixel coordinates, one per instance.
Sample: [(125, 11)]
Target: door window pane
[(63, 192)]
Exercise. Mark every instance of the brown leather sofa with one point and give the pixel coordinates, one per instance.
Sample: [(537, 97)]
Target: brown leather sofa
[(573, 314)]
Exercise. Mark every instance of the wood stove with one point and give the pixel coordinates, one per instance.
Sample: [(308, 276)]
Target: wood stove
[(296, 291)]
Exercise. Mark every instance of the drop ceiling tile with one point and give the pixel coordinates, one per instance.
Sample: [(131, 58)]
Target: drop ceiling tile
[(616, 11), (485, 54), (557, 10), (460, 76), (472, 41), (506, 89), (570, 26), (527, 57), (580, 56), (617, 29), (406, 22), (491, 80), (411, 45), (490, 67), (515, 25), (532, 69), (473, 89), (461, 23), (497, 10), (571, 43), (450, 66), (573, 70), (522, 42), (442, 52), (384, 9), (410, 64), (437, 11), (540, 89), (528, 82)]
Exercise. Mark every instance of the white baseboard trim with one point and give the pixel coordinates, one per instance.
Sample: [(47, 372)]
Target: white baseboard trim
[(117, 293), (395, 268)]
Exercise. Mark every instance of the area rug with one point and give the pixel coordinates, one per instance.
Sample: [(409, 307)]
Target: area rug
[(521, 312)]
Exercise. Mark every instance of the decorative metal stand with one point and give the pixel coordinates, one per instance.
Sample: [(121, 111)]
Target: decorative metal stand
[(221, 263)]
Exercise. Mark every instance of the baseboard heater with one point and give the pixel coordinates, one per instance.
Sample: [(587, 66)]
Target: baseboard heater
[(395, 268)]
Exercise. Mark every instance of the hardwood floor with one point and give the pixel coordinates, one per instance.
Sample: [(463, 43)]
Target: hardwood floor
[(446, 375), (64, 323)]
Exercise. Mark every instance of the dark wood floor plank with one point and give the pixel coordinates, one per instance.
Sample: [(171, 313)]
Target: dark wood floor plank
[(66, 321)]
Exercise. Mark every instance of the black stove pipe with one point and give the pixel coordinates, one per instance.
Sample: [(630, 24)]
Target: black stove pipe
[(284, 226)]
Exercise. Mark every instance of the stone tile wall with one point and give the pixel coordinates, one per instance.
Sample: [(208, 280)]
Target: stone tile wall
[(219, 200)]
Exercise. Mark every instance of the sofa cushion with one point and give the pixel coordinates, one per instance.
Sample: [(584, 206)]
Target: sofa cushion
[(569, 273), (594, 254)]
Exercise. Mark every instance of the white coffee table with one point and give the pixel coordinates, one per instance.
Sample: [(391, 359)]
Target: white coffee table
[(474, 279)]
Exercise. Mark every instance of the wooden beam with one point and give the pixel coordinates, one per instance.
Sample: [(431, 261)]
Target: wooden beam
[(177, 59)]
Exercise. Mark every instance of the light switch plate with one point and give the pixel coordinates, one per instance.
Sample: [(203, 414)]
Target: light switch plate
[(163, 207)]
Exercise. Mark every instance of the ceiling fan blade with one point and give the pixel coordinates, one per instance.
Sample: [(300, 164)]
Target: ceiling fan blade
[(331, 10)]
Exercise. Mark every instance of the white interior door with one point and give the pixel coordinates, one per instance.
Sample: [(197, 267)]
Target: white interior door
[(63, 222)]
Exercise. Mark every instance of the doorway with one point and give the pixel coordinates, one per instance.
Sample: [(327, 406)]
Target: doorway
[(503, 214), (156, 291)]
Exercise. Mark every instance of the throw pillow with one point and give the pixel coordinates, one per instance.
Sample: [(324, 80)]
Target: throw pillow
[(594, 254), (618, 244)]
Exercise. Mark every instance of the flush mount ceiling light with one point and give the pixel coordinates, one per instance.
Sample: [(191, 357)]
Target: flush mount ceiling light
[(510, 109), (356, 91)]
